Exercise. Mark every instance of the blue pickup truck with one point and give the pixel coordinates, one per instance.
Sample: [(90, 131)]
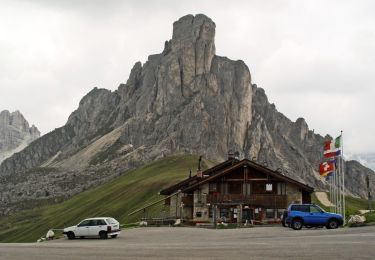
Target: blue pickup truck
[(310, 215)]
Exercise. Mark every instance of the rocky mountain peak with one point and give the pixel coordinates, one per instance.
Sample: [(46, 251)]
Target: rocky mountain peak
[(185, 99), (15, 120), (194, 39), (191, 28), (15, 133)]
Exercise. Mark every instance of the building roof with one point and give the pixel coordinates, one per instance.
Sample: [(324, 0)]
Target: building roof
[(194, 179), (221, 169)]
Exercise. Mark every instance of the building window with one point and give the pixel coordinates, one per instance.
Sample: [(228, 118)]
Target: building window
[(246, 189), (270, 213), (223, 188), (258, 188), (199, 196), (198, 214), (281, 188), (268, 186), (212, 187), (235, 188), (224, 214)]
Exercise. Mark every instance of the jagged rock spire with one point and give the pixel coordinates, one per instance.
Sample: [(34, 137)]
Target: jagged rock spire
[(194, 40)]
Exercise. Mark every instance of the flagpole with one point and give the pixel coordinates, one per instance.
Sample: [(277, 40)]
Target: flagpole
[(337, 192), (340, 187), (343, 176), (330, 192), (334, 189)]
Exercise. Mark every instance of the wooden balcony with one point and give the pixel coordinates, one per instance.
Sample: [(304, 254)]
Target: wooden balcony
[(265, 200)]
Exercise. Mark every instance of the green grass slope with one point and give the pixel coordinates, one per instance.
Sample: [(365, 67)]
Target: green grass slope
[(116, 198), (352, 205)]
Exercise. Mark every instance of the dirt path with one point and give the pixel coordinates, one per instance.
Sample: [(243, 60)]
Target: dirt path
[(323, 198)]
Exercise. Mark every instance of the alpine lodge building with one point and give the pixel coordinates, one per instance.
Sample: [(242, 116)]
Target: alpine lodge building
[(235, 191)]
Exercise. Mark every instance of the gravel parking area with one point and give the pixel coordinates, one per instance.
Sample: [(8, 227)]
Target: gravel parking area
[(199, 243)]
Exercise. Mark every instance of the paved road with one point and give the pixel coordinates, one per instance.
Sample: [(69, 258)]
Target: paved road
[(194, 243)]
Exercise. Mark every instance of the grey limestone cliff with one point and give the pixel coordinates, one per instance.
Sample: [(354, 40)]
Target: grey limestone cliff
[(186, 99), (15, 133)]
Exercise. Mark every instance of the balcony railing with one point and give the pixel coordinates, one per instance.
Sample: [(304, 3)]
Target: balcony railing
[(267, 200)]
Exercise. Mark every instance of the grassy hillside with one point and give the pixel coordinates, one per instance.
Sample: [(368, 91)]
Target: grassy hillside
[(116, 198), (352, 205)]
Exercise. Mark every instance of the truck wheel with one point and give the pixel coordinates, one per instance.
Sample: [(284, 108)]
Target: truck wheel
[(297, 224), (71, 235), (332, 224), (103, 235)]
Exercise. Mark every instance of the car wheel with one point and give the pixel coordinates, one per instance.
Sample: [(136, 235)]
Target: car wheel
[(113, 236), (332, 224), (71, 235), (297, 224), (103, 235)]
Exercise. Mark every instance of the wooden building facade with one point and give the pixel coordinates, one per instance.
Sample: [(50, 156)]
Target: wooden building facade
[(235, 192)]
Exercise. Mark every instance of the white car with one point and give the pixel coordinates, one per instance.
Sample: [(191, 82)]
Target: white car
[(93, 227)]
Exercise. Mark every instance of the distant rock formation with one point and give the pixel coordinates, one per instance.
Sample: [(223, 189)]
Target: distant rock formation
[(186, 99), (15, 133), (366, 159), (356, 178)]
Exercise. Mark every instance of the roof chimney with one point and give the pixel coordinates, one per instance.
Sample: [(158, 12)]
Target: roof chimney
[(199, 170), (199, 173)]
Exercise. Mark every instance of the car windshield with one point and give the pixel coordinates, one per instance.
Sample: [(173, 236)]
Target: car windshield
[(316, 208)]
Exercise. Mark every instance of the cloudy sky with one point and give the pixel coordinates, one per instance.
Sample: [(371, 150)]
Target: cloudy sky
[(315, 59)]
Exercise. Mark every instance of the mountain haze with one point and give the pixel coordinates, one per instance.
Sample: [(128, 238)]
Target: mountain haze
[(186, 99)]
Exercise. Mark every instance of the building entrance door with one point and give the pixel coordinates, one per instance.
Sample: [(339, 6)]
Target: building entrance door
[(247, 214)]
